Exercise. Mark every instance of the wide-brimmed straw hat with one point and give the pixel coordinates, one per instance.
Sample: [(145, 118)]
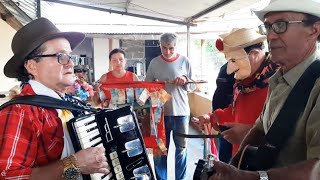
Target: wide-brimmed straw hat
[(304, 6), (31, 36), (240, 38)]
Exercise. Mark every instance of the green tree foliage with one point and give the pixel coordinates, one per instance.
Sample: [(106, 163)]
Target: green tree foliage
[(215, 56)]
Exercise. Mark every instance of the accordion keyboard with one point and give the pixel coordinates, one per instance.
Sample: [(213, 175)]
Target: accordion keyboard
[(88, 136), (118, 132)]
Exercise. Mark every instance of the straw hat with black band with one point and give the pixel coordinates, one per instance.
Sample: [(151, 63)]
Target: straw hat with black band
[(30, 37)]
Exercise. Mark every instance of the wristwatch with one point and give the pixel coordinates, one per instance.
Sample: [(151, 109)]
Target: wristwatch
[(70, 169), (263, 175)]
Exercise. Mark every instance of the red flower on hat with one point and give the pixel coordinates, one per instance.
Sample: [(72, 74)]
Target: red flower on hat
[(219, 45)]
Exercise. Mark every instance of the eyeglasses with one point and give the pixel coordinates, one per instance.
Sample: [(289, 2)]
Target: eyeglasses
[(277, 27), (62, 58)]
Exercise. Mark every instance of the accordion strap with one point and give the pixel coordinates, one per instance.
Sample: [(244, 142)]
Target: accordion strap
[(285, 123), (46, 102)]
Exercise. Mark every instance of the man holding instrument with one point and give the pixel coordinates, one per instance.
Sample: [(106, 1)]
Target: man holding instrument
[(252, 68), (176, 70), (293, 31), (35, 143)]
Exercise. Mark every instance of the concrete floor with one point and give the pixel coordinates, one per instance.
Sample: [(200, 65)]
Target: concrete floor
[(195, 152)]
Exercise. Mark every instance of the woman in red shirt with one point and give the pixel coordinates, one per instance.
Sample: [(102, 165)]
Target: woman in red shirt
[(117, 74)]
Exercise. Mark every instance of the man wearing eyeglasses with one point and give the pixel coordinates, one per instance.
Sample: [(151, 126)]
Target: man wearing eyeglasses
[(35, 143), (292, 28)]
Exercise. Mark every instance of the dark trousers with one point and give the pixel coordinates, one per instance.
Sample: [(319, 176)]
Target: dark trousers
[(225, 148)]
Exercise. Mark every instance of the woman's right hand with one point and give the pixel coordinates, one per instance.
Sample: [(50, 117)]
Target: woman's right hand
[(199, 121), (96, 97), (92, 160), (204, 119), (96, 86)]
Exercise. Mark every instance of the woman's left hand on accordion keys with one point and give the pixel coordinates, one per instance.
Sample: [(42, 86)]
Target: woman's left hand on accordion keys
[(92, 160)]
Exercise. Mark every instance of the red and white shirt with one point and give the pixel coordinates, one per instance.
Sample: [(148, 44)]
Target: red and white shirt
[(30, 136)]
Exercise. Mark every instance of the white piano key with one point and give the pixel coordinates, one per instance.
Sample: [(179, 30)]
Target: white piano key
[(91, 143), (84, 121), (99, 145), (99, 176), (87, 127), (96, 176), (107, 177), (85, 134), (93, 134)]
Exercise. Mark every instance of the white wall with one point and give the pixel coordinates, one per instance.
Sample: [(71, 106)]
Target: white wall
[(102, 47), (114, 44), (100, 53), (6, 35)]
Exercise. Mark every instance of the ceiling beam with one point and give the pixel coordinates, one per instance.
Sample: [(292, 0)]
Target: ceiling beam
[(38, 8), (210, 9), (127, 5), (122, 12), (22, 14), (8, 17)]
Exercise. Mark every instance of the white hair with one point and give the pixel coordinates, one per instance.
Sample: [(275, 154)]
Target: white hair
[(168, 38)]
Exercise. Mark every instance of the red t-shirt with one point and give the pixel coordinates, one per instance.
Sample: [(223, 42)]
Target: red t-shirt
[(127, 77)]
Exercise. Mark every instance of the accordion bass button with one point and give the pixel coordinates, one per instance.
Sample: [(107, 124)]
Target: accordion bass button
[(113, 155), (119, 175)]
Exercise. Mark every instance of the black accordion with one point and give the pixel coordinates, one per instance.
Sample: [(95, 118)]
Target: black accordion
[(119, 133)]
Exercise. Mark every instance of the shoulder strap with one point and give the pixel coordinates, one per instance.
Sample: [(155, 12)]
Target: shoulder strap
[(47, 102), (285, 123)]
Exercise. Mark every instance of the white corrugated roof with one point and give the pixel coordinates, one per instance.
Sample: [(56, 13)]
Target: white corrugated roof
[(90, 21)]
